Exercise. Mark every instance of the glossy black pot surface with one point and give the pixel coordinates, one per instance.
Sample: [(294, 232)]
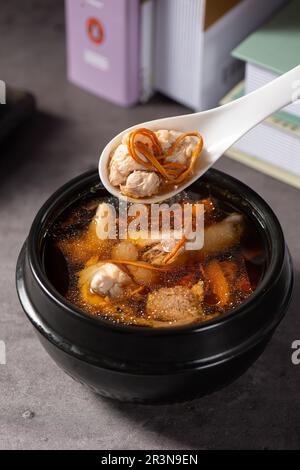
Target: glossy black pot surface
[(155, 365)]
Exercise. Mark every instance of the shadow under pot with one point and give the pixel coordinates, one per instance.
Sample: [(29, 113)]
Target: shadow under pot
[(143, 364)]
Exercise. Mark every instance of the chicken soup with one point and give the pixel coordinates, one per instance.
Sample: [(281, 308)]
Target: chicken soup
[(154, 281)]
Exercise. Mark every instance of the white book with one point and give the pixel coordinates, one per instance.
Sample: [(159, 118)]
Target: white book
[(272, 145), (220, 71), (264, 167), (193, 62), (178, 51), (256, 77), (147, 34)]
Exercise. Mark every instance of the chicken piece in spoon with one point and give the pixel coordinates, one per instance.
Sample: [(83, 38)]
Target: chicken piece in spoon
[(146, 161)]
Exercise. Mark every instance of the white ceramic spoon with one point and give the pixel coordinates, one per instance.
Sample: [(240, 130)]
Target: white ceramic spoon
[(220, 127)]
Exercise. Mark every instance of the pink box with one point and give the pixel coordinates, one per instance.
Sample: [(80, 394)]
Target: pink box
[(103, 48)]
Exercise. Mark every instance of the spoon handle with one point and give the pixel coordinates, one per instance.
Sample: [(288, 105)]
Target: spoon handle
[(248, 111)]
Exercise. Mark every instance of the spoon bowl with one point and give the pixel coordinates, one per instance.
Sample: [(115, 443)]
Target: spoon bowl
[(220, 128)]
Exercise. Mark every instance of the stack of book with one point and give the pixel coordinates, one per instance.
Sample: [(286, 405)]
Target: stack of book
[(123, 50), (194, 40), (274, 145)]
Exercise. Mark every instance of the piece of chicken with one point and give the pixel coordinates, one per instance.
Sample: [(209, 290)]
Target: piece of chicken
[(98, 239), (217, 238), (174, 305), (141, 184), (105, 279), (183, 150), (121, 165), (167, 138), (223, 235), (157, 253), (128, 174), (198, 290), (143, 239), (126, 250)]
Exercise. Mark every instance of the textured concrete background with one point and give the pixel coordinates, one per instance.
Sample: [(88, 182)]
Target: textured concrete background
[(40, 406)]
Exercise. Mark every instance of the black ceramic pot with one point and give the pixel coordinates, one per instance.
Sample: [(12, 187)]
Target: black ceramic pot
[(155, 365)]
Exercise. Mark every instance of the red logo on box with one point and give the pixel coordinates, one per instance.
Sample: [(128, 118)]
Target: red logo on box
[(95, 30)]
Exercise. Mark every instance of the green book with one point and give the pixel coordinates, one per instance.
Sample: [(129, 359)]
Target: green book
[(275, 46), (284, 121), (281, 122)]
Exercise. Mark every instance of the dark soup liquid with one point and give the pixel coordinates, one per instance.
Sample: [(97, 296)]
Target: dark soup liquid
[(154, 282)]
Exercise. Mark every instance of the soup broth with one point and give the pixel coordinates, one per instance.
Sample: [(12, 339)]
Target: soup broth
[(141, 282)]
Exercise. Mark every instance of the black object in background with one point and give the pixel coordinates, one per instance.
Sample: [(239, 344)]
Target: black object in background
[(19, 106)]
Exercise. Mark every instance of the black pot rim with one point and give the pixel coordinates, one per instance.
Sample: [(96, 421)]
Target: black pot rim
[(270, 276)]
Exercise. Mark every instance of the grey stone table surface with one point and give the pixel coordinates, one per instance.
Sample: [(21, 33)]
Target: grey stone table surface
[(40, 406)]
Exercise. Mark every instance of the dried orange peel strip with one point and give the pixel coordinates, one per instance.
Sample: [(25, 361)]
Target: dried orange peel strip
[(157, 149), (142, 148), (169, 258), (138, 264), (195, 156), (218, 282), (138, 290), (154, 158), (175, 165)]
